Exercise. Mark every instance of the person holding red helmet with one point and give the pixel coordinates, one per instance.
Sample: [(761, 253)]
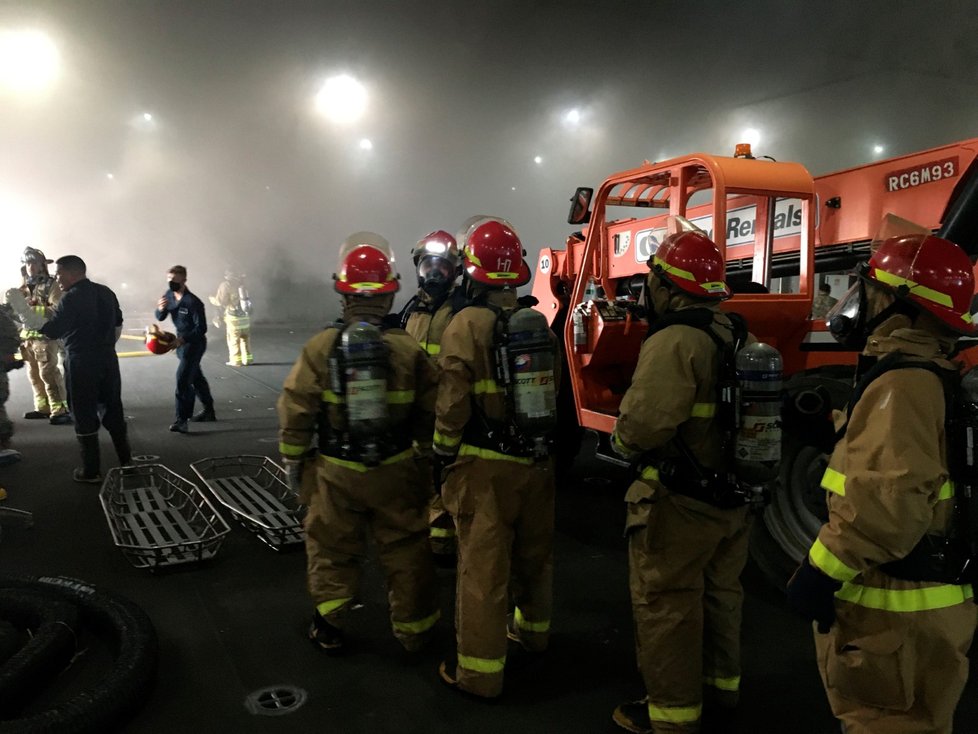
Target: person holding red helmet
[(368, 390), (499, 491), (891, 633), (686, 547), (437, 262)]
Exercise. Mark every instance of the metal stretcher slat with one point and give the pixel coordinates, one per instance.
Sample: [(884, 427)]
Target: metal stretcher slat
[(255, 490), (158, 518)]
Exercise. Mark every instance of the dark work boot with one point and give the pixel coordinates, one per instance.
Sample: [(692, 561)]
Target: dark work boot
[(207, 415), (325, 636), (633, 717), (91, 470)]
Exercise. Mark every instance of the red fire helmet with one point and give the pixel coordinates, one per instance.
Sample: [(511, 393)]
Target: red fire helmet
[(932, 272), (493, 254), (692, 262)]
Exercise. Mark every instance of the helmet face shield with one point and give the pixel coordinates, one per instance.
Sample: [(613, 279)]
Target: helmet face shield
[(847, 319), (436, 274)]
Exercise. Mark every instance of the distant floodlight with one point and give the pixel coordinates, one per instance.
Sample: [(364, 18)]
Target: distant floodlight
[(342, 99), (125, 285), (538, 160), (29, 61), (573, 116), (110, 176), (751, 136), (147, 116), (877, 149), (513, 188), (365, 144)]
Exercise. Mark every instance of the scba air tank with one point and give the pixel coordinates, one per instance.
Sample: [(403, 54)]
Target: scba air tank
[(365, 365), (530, 358), (244, 299), (757, 449)]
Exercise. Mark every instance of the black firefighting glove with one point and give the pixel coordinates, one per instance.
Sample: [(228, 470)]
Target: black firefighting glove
[(439, 467), (528, 301), (807, 414), (812, 595)]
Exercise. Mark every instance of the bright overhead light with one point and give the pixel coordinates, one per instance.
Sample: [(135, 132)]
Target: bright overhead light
[(342, 99), (147, 116), (110, 176), (751, 136), (573, 116), (29, 61), (877, 149), (513, 188), (538, 160), (365, 144)]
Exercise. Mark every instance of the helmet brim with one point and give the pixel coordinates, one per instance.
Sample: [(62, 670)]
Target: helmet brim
[(500, 280), (366, 289)]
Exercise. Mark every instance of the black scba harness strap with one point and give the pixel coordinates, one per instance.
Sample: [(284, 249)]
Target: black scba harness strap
[(505, 436), (950, 558), (456, 298), (340, 444), (685, 474)]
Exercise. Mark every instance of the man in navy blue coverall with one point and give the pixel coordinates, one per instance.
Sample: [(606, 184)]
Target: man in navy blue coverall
[(190, 322), (89, 321)]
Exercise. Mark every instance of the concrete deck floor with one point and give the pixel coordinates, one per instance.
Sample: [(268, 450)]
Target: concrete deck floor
[(237, 624)]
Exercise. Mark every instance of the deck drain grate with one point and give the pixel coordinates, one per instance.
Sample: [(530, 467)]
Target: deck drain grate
[(275, 700)]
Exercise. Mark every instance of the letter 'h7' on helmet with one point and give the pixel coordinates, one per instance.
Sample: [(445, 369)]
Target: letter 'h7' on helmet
[(493, 254)]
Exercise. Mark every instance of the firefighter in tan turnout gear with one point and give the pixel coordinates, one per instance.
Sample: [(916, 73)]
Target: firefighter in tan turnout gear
[(687, 543), (425, 317), (494, 417), (368, 391), (883, 579), (233, 299), (40, 353)]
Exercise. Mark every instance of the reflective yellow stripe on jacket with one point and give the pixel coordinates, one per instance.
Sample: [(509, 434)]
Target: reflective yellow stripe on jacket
[(360, 467), (829, 564), (467, 450), (906, 600), (394, 397), (835, 482)]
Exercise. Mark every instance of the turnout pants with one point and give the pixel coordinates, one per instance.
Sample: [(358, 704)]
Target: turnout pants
[(897, 672), (239, 339), (191, 382), (685, 559), (388, 502), (41, 356), (504, 517)]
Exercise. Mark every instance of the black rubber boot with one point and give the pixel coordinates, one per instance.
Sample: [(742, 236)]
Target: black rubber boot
[(91, 470)]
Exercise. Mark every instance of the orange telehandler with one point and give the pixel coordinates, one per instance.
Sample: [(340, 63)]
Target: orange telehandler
[(780, 227)]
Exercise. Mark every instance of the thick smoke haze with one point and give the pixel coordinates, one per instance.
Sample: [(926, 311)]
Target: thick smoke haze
[(236, 168)]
